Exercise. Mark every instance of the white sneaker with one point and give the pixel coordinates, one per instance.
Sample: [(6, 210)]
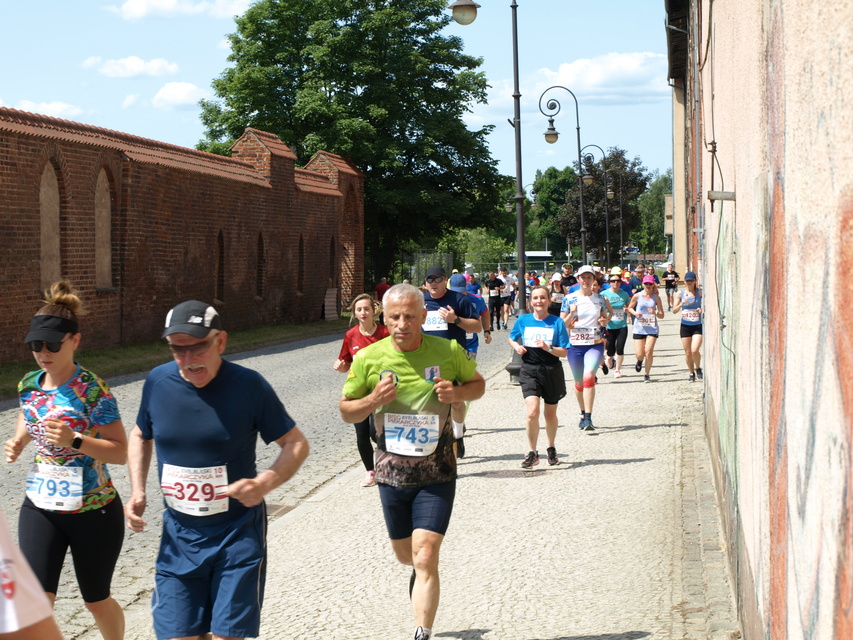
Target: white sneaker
[(369, 480), (618, 374)]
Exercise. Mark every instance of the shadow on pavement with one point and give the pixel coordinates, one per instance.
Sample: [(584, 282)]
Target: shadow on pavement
[(637, 427)]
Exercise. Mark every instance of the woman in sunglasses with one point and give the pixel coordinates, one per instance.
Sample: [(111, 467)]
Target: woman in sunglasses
[(73, 421), (647, 309)]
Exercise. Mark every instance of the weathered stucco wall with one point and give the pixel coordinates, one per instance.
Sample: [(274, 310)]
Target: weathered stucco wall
[(775, 97)]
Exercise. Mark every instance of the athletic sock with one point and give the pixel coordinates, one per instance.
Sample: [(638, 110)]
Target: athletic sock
[(458, 429)]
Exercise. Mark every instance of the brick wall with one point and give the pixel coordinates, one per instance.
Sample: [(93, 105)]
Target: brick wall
[(169, 206)]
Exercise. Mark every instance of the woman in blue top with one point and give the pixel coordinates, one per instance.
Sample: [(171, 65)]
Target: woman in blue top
[(689, 303), (647, 309), (72, 419), (541, 340), (617, 328)]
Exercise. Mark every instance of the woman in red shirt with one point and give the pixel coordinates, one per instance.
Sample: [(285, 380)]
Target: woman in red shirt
[(364, 309)]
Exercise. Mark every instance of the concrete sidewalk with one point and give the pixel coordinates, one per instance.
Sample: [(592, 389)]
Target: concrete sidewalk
[(620, 541)]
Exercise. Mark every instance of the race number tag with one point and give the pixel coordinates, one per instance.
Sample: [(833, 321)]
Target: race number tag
[(647, 320), (434, 322), (691, 315), (494, 293), (55, 488), (581, 336), (558, 297), (411, 435), (532, 334), (195, 491), (618, 316)]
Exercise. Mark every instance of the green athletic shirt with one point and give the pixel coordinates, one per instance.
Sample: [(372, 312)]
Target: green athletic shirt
[(415, 422)]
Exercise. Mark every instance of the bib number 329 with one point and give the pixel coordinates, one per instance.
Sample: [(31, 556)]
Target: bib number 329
[(195, 491)]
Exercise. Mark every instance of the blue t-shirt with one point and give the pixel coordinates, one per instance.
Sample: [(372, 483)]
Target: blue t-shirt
[(217, 424), (622, 285), (691, 319), (528, 329), (473, 287), (462, 307), (473, 342), (618, 301)]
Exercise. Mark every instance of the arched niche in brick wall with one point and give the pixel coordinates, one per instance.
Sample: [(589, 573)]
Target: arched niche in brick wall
[(219, 293), (261, 271), (49, 207), (103, 233)]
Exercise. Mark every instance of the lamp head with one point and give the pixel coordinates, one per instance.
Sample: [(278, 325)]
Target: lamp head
[(587, 178), (551, 134), (464, 11), (610, 194)]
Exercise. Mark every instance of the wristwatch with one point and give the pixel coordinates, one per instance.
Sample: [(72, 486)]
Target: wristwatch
[(550, 348), (458, 320), (77, 442)]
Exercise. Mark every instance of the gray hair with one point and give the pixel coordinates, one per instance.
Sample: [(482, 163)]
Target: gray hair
[(403, 292)]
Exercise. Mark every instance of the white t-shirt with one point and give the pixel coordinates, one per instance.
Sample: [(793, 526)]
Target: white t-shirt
[(510, 282), (23, 601)]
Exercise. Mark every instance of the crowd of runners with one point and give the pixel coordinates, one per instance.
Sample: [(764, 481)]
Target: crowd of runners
[(410, 362)]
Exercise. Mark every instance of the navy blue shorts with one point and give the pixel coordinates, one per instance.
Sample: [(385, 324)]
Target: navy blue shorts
[(211, 578), (407, 509)]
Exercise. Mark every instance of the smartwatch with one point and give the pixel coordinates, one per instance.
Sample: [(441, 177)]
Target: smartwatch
[(77, 442)]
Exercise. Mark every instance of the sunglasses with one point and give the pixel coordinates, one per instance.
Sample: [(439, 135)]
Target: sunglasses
[(648, 284), (196, 349), (615, 280), (435, 279), (37, 345)]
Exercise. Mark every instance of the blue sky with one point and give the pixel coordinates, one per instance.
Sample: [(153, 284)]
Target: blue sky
[(140, 66)]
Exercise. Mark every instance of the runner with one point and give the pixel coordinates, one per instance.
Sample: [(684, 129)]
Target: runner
[(364, 309), (557, 294), (585, 313), (507, 296), (409, 383), (541, 339), (689, 303), (494, 285), (73, 420), (670, 279), (617, 328), (647, 309), (25, 611), (204, 414)]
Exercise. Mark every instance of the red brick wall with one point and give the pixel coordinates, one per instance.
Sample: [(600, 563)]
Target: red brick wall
[(166, 221)]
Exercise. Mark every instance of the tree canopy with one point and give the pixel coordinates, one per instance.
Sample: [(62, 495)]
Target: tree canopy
[(375, 81), (649, 235)]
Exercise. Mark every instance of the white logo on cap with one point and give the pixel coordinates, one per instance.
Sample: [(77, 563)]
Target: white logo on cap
[(195, 320)]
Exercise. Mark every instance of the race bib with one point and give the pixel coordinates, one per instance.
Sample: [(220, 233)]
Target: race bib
[(647, 320), (557, 297), (55, 488), (532, 334), (411, 435), (434, 322), (494, 293), (581, 336), (691, 315), (195, 491), (618, 316)]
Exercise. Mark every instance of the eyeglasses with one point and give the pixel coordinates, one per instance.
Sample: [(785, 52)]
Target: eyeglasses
[(37, 345), (196, 349), (435, 279), (615, 280)]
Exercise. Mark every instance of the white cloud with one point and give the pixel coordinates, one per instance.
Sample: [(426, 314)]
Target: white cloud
[(135, 66), (91, 61), (2, 104), (55, 109), (129, 100), (136, 9), (611, 79), (178, 95)]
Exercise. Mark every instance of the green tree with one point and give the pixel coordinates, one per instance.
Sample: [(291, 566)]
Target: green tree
[(377, 82), (625, 178), (549, 189), (649, 235)]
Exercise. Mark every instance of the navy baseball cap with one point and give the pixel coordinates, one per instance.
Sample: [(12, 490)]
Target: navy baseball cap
[(192, 317), (457, 283)]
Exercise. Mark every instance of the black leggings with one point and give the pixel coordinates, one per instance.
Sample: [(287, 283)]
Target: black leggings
[(616, 341), (95, 538), (495, 306), (365, 436)]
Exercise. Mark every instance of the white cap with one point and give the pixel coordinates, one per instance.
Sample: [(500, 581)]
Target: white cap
[(584, 269)]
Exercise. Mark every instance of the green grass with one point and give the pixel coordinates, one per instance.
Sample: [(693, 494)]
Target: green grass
[(142, 357)]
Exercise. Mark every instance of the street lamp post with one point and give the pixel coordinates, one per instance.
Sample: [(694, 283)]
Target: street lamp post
[(606, 195), (551, 136)]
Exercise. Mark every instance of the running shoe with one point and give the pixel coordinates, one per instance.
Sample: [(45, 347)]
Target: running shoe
[(369, 480), (552, 456), (691, 377), (604, 369), (530, 460), (639, 366), (647, 379), (618, 374), (699, 374), (420, 634), (582, 423), (460, 447), (588, 426), (612, 363)]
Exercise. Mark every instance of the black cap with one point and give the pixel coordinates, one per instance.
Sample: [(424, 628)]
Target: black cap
[(50, 328), (436, 270), (192, 317)]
